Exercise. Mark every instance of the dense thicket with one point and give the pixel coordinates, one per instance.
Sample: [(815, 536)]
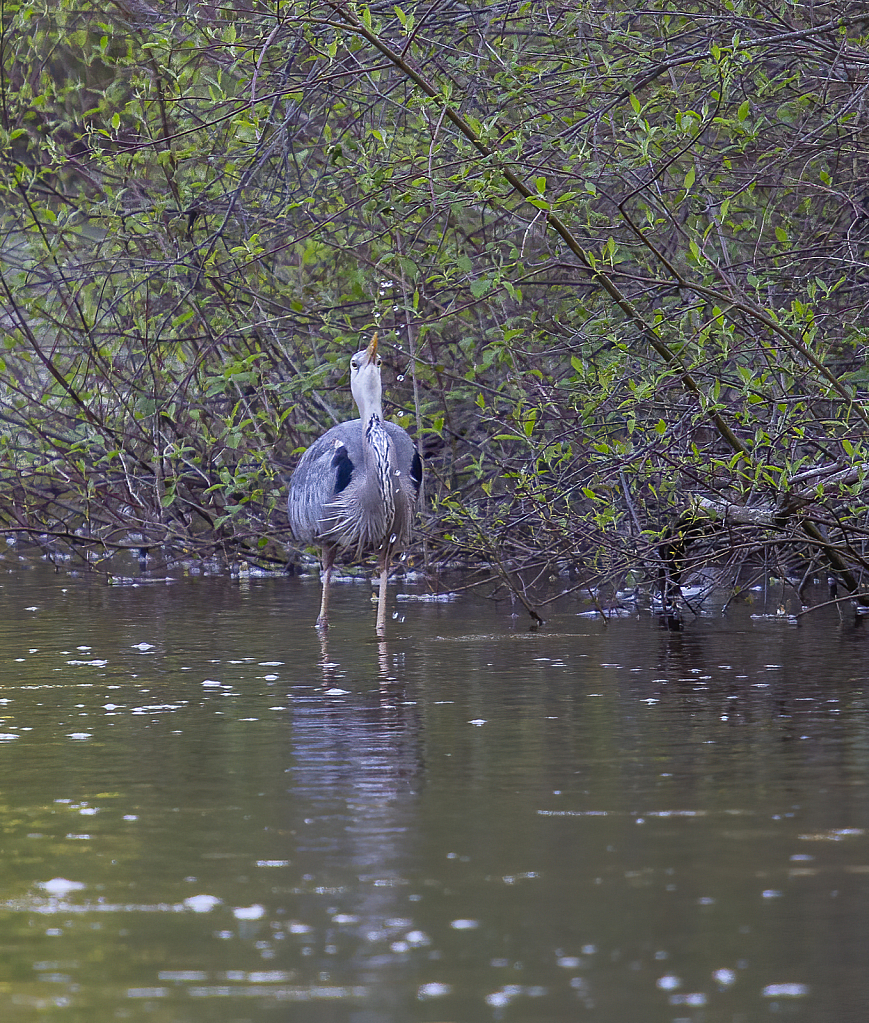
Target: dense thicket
[(616, 254)]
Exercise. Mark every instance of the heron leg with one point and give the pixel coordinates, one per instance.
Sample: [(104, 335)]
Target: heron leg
[(328, 558), (381, 599)]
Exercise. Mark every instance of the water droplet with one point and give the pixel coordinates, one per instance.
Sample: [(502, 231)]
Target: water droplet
[(393, 538), (400, 377)]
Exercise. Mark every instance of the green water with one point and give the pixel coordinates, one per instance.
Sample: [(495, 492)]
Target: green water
[(207, 815)]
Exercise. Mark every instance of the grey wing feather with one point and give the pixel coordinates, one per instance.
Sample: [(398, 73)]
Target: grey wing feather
[(313, 484), (331, 473), (407, 458)]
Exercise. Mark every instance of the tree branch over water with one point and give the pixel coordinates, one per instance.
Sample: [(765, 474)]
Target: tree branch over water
[(617, 261)]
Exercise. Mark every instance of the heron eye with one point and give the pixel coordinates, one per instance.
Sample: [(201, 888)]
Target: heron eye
[(379, 361), (354, 364)]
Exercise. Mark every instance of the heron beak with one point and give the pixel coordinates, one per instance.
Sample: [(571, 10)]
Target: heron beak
[(371, 350)]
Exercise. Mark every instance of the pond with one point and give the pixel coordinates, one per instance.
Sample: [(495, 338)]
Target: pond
[(210, 815)]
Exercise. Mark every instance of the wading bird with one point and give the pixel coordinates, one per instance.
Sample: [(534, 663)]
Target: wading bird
[(356, 487)]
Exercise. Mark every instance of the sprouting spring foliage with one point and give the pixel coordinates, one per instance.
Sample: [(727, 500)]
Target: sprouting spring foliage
[(617, 256)]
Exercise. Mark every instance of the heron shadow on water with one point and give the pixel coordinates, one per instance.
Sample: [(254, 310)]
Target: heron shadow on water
[(356, 488)]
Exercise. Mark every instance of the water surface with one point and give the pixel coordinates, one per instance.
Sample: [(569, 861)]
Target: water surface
[(208, 814)]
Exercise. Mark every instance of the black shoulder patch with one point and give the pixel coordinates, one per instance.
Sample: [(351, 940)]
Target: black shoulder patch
[(344, 468), (416, 470)]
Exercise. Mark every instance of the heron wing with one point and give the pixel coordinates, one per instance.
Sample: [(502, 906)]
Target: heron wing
[(325, 470), (342, 463), (407, 459), (407, 467), (329, 500)]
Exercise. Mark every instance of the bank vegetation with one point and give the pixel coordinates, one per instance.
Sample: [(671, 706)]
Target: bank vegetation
[(616, 254)]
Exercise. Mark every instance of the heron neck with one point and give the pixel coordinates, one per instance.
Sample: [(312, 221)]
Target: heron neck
[(369, 406), (377, 449), (374, 430)]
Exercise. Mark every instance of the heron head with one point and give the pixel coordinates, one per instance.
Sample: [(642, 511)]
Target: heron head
[(365, 379), (367, 357)]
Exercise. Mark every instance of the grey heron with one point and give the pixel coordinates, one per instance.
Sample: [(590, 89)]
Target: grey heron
[(355, 489)]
